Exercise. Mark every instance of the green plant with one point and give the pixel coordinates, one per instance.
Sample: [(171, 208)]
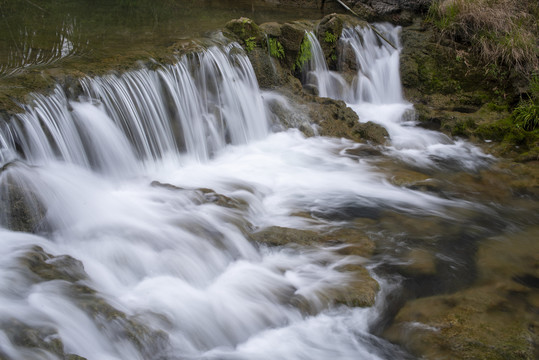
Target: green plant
[(276, 49), (250, 43), (442, 15), (330, 37), (500, 32), (526, 114), (304, 55)]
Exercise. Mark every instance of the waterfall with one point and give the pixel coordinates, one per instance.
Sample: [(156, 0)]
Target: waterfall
[(127, 215), (375, 94), (191, 108)]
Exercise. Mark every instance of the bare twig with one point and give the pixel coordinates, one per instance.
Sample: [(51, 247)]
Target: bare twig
[(36, 5)]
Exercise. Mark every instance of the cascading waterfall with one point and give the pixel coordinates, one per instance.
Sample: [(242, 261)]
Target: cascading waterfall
[(376, 95), (140, 260), (192, 108)]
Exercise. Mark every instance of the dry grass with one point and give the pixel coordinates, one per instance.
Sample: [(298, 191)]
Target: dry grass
[(501, 32)]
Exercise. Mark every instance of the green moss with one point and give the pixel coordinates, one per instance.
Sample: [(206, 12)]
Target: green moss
[(276, 48), (245, 29), (305, 54), (250, 43), (494, 106), (330, 37), (463, 128)]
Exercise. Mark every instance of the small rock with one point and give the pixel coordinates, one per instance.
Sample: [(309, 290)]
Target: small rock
[(419, 262)]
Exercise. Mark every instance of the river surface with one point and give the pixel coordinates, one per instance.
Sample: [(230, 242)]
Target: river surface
[(129, 214), (81, 33)]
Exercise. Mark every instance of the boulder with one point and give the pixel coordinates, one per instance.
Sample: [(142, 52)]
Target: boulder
[(271, 29)]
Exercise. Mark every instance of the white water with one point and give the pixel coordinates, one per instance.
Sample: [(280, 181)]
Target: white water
[(169, 257)]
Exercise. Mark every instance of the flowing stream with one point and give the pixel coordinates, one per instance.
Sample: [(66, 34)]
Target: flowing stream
[(126, 253)]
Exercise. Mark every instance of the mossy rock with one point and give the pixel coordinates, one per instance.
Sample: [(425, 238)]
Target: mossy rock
[(433, 67), (328, 33), (205, 195), (48, 267), (37, 339), (280, 236), (269, 72), (291, 38), (372, 132), (71, 279), (271, 29), (361, 291), (25, 212), (350, 240), (116, 324), (74, 357), (479, 323), (247, 31)]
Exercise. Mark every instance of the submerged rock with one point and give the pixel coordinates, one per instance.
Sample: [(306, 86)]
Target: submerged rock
[(50, 267), (280, 236), (205, 195), (418, 262), (360, 289), (496, 318), (70, 279), (38, 340)]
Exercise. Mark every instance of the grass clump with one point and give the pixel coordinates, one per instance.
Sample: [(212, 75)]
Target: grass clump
[(526, 113), (500, 32)]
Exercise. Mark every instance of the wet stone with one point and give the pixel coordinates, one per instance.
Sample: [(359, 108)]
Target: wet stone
[(206, 195), (37, 338), (360, 292), (280, 236), (25, 211), (50, 267)]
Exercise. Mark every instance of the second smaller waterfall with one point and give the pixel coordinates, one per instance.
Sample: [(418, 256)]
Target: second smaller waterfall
[(375, 94)]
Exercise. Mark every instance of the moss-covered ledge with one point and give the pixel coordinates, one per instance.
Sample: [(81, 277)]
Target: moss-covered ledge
[(454, 92)]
